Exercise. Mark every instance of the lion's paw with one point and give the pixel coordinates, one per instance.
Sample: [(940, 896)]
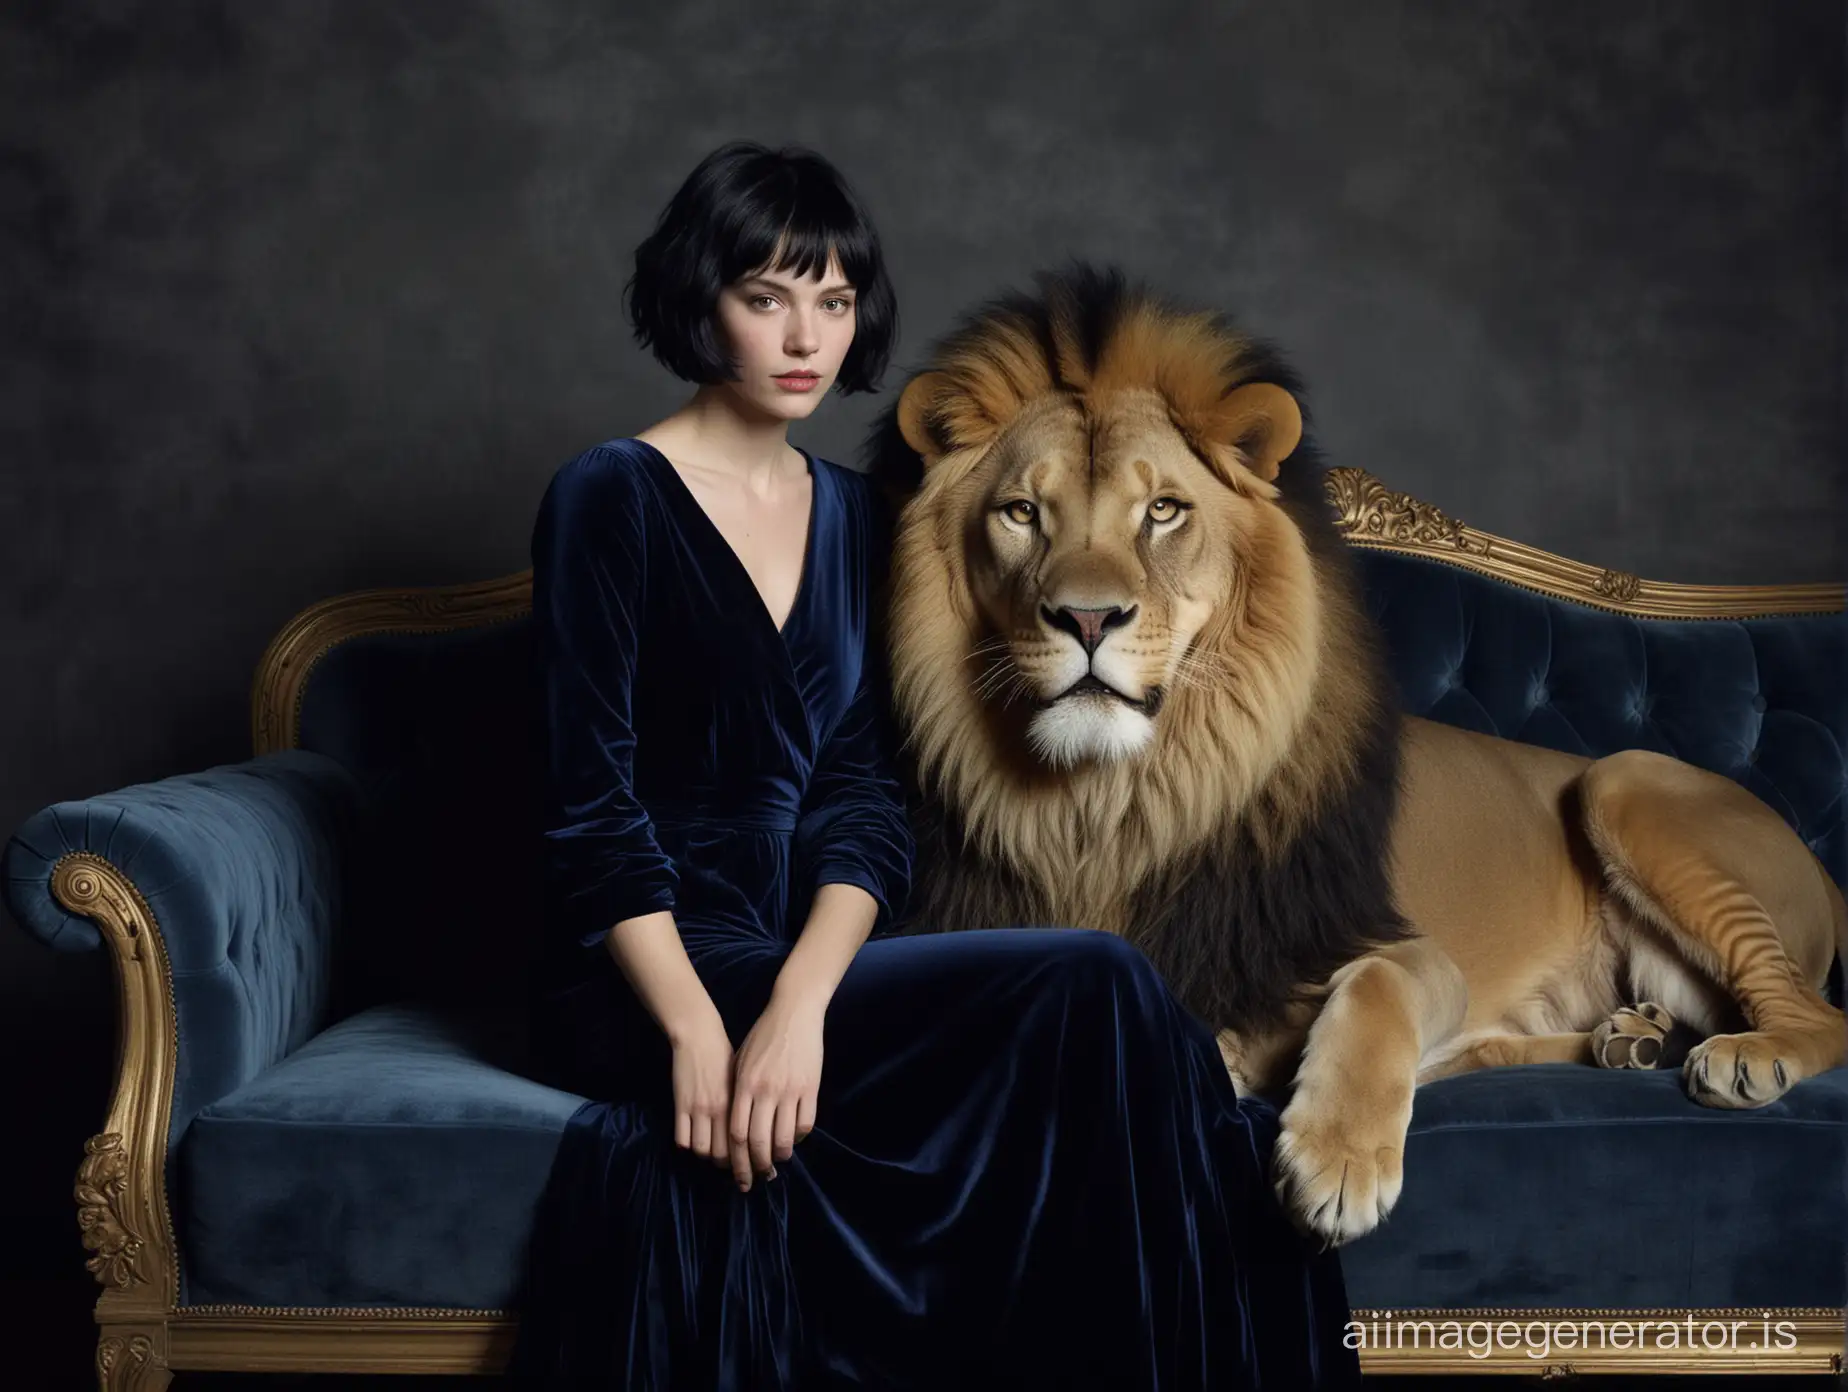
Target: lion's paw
[(1738, 1070), (1632, 1038), (1337, 1182)]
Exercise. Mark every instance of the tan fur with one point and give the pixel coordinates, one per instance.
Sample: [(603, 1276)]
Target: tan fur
[(1539, 882)]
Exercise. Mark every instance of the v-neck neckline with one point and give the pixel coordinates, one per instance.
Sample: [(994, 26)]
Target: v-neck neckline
[(744, 573)]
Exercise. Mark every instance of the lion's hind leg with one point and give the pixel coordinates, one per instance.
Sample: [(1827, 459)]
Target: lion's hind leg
[(1738, 897)]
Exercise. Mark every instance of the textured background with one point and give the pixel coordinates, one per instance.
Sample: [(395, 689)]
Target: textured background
[(301, 298)]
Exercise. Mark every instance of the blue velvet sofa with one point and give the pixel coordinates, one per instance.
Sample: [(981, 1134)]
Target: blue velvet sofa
[(325, 1144)]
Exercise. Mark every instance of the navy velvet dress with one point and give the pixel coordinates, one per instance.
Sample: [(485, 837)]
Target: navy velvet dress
[(1028, 1167)]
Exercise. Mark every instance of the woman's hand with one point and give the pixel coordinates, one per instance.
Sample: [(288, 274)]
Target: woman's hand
[(703, 1086), (776, 1077)]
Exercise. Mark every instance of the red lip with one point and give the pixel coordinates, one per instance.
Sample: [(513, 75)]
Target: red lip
[(788, 376)]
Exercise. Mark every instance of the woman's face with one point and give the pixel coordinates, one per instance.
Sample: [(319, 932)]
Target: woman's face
[(788, 336)]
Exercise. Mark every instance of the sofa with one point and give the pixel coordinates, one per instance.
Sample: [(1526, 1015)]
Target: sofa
[(325, 1144)]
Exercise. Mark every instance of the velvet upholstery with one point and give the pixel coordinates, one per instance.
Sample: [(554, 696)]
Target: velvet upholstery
[(393, 1160), (392, 857), (1557, 1186)]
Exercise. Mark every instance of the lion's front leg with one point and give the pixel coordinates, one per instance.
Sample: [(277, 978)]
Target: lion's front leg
[(1339, 1160)]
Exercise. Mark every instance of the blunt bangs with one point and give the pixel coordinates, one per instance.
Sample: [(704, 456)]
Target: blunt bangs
[(743, 205)]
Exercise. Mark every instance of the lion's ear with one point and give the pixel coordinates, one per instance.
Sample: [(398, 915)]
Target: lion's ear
[(914, 406), (1264, 422)]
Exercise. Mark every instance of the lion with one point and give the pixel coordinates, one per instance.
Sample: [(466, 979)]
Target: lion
[(1139, 692)]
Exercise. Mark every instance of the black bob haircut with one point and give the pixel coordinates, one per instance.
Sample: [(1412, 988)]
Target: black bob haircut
[(735, 209)]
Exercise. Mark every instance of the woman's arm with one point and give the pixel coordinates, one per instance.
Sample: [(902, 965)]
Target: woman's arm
[(839, 921), (855, 831), (589, 589), (855, 827), (652, 956), (610, 877)]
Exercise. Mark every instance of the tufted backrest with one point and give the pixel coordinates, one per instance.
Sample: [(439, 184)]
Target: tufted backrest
[(439, 727), (1762, 700)]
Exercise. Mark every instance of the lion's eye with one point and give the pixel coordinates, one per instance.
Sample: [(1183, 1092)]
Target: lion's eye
[(1166, 509), (1020, 511)]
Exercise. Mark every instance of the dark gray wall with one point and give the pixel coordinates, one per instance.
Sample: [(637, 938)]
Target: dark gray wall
[(307, 297)]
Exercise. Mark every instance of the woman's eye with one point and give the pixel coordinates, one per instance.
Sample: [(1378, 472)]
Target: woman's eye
[(757, 300), (1165, 509), (1020, 512), (844, 305)]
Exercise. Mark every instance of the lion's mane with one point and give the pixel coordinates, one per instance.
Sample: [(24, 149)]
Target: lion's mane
[(1246, 853)]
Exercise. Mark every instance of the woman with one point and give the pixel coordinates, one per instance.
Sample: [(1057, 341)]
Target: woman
[(1022, 1164)]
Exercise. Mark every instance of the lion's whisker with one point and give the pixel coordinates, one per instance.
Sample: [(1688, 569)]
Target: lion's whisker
[(998, 674)]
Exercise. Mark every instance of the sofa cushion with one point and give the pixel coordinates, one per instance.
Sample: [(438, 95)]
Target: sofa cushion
[(391, 1160), (1552, 1185)]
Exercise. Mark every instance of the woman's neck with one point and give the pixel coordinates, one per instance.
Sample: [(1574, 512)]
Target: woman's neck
[(712, 431)]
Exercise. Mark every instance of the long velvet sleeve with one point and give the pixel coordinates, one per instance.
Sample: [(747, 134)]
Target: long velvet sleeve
[(854, 816), (588, 548)]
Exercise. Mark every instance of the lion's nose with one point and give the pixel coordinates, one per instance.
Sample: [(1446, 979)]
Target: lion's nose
[(1088, 626)]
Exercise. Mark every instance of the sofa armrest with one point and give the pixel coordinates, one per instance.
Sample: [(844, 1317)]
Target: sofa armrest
[(242, 870), (218, 894)]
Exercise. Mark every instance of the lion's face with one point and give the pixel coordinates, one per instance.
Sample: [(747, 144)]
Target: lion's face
[(1096, 570), (1097, 555)]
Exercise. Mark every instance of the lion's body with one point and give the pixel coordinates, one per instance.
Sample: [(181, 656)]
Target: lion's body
[(1504, 855), (1141, 694)]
